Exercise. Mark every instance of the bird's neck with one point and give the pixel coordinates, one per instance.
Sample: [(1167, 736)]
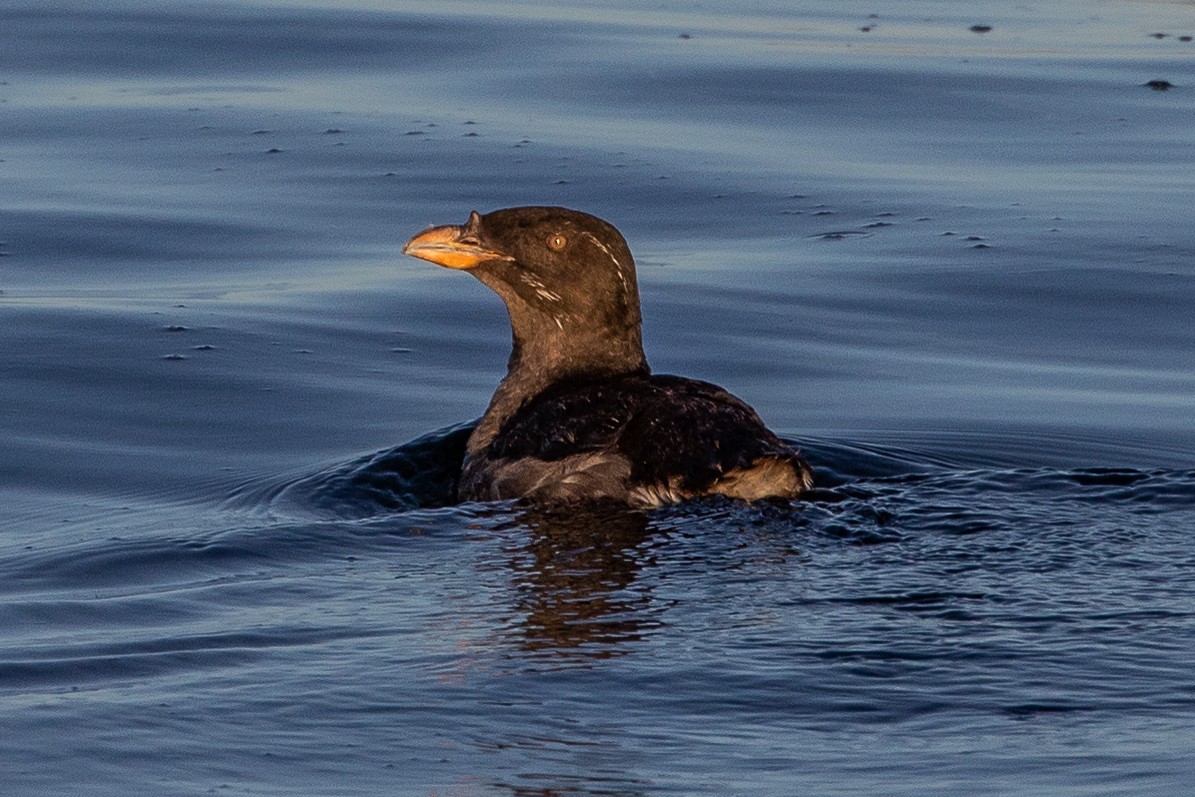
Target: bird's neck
[(558, 342), (545, 358)]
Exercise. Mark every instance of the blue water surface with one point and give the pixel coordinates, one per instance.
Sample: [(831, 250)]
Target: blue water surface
[(954, 266)]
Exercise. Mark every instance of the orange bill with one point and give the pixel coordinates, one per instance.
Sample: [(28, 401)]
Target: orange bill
[(450, 246)]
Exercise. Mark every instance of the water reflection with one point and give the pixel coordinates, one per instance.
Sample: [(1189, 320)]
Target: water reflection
[(575, 569), (576, 573)]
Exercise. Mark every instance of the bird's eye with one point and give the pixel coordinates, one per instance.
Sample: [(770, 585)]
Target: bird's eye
[(556, 242)]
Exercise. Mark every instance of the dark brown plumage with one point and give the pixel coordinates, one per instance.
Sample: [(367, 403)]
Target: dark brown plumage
[(579, 416)]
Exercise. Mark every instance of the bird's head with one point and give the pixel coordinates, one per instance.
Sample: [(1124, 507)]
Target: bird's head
[(567, 278)]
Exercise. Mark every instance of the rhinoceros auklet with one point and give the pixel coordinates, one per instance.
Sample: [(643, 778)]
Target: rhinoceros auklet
[(579, 416)]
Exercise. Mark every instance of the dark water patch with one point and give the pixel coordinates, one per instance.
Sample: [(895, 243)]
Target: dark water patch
[(1151, 489), (839, 235), (420, 474), (93, 665), (1029, 711), (1108, 476), (842, 462), (1156, 488), (915, 601)]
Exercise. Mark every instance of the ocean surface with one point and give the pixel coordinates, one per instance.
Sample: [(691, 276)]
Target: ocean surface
[(945, 247)]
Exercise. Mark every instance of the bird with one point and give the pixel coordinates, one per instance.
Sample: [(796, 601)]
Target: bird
[(579, 416)]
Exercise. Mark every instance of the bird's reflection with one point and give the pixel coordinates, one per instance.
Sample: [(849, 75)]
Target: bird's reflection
[(576, 572), (575, 569)]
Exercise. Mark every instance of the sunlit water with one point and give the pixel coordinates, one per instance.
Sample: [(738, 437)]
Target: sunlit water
[(955, 267)]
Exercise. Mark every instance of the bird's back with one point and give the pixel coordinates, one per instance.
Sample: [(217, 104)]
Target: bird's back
[(644, 440)]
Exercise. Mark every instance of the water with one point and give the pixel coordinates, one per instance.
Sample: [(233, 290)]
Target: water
[(954, 267)]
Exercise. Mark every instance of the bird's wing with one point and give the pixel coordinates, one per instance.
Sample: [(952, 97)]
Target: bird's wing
[(690, 434), (655, 439)]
